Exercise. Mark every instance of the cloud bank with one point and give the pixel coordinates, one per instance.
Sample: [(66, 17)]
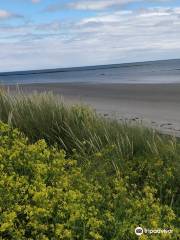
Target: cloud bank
[(107, 37)]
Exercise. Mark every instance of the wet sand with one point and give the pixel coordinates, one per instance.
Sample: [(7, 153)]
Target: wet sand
[(154, 105)]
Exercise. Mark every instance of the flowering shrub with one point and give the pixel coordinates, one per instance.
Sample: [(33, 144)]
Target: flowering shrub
[(45, 195), (42, 194)]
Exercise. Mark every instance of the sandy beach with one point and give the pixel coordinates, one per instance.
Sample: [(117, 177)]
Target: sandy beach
[(154, 105)]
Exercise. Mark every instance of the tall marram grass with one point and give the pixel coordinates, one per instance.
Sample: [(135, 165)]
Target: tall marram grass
[(143, 164), (76, 127)]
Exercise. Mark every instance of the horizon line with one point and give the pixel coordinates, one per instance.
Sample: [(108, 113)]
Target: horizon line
[(81, 68)]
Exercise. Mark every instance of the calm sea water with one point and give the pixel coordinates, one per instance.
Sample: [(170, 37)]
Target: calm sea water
[(147, 72)]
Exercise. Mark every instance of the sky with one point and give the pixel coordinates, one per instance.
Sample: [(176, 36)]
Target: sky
[(40, 34)]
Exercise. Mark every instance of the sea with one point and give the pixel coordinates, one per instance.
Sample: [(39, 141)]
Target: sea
[(153, 72)]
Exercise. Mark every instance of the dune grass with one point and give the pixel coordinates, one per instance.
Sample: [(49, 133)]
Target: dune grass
[(120, 157), (46, 116)]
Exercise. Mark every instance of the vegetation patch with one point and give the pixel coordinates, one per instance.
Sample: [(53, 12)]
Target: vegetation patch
[(69, 174)]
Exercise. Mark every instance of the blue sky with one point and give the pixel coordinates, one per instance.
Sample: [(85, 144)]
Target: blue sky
[(38, 34)]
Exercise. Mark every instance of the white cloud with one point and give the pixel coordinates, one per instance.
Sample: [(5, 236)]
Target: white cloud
[(121, 36), (35, 1), (4, 14), (97, 5), (103, 4), (88, 4), (93, 5)]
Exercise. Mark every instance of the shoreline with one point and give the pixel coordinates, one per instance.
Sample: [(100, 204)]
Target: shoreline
[(153, 105)]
